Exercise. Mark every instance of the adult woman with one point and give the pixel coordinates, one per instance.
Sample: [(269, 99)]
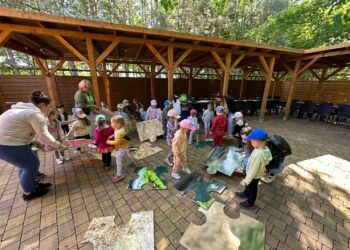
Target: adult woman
[(19, 126), (85, 100)]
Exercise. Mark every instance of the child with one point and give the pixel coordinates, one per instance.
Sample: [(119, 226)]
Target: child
[(152, 112), (167, 107), (63, 117), (259, 158), (80, 128), (171, 127), (208, 116), (194, 120), (120, 111), (179, 146), (219, 127), (120, 144), (54, 128), (239, 124), (102, 133), (247, 147)]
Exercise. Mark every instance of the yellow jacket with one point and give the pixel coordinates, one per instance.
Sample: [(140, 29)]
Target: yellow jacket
[(179, 143), (119, 141)]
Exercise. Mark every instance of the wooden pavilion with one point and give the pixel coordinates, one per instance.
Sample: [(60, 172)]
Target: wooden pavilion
[(49, 37)]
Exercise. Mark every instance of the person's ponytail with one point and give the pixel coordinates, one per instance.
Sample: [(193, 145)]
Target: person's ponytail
[(38, 97)]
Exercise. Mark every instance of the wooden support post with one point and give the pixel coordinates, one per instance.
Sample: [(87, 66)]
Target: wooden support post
[(320, 83), (170, 73), (268, 76), (190, 81), (246, 73), (93, 71), (153, 80), (107, 85), (294, 75), (226, 74), (50, 80)]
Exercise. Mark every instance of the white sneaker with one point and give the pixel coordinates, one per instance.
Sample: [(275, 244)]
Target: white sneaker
[(92, 146), (67, 158), (269, 178), (59, 161), (187, 170), (175, 175)]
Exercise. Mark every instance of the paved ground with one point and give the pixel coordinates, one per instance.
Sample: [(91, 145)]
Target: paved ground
[(308, 206)]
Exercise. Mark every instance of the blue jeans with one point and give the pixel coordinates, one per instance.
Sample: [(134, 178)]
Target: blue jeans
[(27, 162), (230, 124)]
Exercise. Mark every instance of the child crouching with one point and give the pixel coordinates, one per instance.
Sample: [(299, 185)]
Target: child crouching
[(102, 132), (259, 158), (121, 145), (179, 146)]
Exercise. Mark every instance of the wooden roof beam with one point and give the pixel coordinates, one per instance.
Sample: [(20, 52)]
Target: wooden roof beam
[(147, 73), (70, 47), (123, 39), (237, 61), (333, 73), (41, 44), (182, 57), (115, 67), (54, 69), (219, 61), (158, 56), (308, 65), (160, 70), (5, 36), (106, 52)]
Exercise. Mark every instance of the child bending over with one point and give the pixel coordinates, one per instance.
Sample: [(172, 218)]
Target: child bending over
[(256, 169), (102, 132), (121, 145), (239, 125), (179, 146)]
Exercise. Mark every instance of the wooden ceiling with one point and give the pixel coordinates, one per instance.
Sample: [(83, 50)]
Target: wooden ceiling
[(57, 37)]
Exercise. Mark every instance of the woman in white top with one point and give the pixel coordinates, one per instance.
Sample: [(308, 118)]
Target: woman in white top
[(20, 126)]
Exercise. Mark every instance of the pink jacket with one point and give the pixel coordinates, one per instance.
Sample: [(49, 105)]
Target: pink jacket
[(102, 136)]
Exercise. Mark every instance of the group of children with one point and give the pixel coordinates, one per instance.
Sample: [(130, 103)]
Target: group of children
[(114, 137)]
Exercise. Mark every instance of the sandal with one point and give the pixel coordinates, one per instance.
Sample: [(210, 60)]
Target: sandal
[(116, 179)]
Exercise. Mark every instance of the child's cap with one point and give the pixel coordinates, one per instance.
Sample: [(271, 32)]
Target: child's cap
[(173, 113), (237, 115), (167, 103), (120, 106), (80, 113), (219, 109), (187, 124), (256, 134), (100, 118), (193, 111), (153, 102)]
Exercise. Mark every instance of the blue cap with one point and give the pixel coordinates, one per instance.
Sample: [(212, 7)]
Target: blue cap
[(256, 134), (100, 117), (219, 109), (167, 102)]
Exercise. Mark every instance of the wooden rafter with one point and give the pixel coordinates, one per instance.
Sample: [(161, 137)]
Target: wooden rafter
[(39, 43), (114, 68), (157, 55), (315, 74), (263, 62), (219, 61), (139, 50), (106, 52), (333, 73), (147, 73), (182, 57), (4, 36), (70, 47), (237, 61), (309, 64), (197, 72), (160, 70), (54, 69)]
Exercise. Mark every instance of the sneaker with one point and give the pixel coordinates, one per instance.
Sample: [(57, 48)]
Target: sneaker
[(167, 162), (269, 178), (67, 158), (246, 205), (59, 161), (175, 175), (92, 145), (189, 142), (43, 185), (116, 178), (241, 195), (187, 170), (37, 192)]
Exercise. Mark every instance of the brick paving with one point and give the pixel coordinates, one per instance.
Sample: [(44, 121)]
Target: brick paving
[(307, 207)]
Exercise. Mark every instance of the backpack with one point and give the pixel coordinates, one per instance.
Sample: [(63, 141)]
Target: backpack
[(279, 148)]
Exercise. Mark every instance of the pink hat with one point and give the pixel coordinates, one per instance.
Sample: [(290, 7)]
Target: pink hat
[(187, 124), (173, 113), (193, 111), (80, 113)]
